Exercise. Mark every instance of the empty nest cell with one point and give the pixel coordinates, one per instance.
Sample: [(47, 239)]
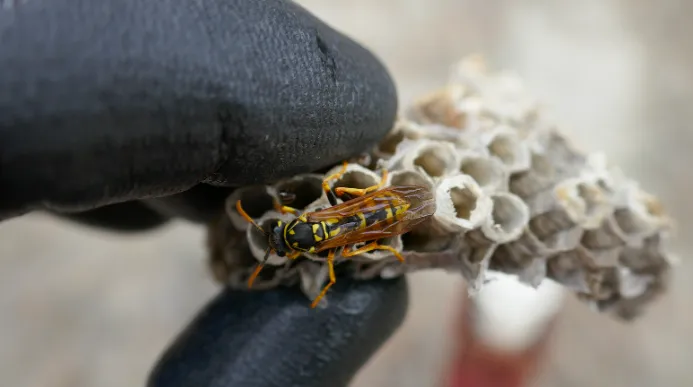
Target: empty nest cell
[(406, 177), (403, 131), (300, 191), (489, 173), (642, 216), (461, 204), (255, 200), (509, 217), (434, 158), (464, 202), (506, 145), (538, 178), (355, 176), (431, 162)]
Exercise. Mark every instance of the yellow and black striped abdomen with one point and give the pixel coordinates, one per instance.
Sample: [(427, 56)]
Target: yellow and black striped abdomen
[(378, 215), (383, 211), (388, 214)]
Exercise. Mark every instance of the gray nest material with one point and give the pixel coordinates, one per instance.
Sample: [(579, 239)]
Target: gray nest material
[(512, 195)]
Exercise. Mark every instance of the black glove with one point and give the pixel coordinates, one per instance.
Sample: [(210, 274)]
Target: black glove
[(124, 114)]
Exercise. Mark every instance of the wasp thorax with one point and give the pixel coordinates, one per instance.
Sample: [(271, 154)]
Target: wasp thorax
[(303, 236)]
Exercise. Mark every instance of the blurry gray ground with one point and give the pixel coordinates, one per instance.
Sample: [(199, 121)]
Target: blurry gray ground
[(83, 308)]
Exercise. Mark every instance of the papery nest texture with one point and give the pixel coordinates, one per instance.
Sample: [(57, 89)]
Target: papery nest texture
[(511, 195)]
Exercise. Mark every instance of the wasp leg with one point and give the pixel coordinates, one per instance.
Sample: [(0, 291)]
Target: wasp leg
[(360, 192), (370, 247), (326, 184), (284, 209), (259, 267), (330, 266), (253, 276), (247, 217)]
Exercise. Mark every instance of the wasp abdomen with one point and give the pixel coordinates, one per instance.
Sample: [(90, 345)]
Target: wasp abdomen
[(388, 213)]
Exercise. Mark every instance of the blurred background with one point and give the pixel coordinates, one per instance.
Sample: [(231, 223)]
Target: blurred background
[(86, 308)]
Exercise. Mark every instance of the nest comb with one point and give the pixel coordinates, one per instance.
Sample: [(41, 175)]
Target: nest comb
[(512, 195)]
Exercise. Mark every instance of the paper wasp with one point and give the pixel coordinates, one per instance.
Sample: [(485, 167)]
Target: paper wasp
[(373, 214)]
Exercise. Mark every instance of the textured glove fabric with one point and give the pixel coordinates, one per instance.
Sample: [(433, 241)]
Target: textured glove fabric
[(274, 339), (108, 101), (124, 114)]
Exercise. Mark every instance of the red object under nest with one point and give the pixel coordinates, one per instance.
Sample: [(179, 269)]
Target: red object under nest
[(475, 364)]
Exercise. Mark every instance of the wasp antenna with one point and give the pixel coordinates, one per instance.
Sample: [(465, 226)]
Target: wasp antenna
[(259, 268), (247, 217)]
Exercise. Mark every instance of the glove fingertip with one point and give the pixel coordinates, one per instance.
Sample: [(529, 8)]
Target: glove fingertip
[(274, 338), (123, 217)]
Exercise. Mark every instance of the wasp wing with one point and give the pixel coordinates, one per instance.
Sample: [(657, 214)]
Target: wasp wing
[(421, 206), (397, 195)]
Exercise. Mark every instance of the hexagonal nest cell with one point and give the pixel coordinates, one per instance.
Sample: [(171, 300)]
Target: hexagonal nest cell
[(510, 194)]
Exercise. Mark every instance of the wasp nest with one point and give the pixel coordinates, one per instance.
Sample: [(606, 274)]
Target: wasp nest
[(512, 195)]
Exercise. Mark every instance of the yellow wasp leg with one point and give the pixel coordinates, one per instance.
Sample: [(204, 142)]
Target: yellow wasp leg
[(334, 176), (360, 192), (247, 217), (326, 184), (253, 276), (259, 267), (284, 209), (330, 265), (370, 247)]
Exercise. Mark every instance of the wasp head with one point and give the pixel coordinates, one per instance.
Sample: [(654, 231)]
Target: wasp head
[(276, 238)]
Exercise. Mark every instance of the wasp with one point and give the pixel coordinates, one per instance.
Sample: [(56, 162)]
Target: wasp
[(370, 215)]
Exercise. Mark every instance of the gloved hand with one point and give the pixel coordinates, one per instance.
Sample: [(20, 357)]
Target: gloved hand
[(124, 114)]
